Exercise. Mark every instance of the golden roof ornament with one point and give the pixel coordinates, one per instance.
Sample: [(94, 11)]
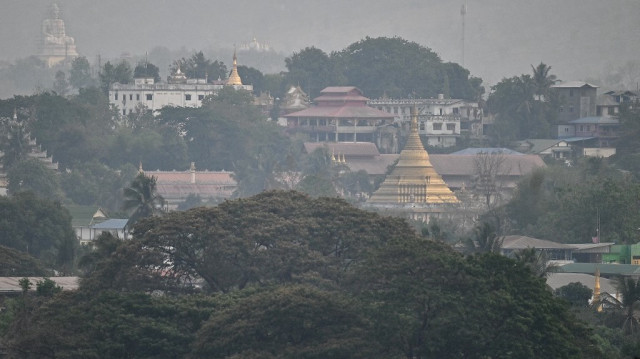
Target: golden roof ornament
[(234, 78), (413, 179)]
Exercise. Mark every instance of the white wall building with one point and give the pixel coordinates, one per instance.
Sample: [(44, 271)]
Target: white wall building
[(440, 120), (145, 93)]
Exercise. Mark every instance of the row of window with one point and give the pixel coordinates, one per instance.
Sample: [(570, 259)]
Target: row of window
[(187, 97), (149, 97), (438, 126)]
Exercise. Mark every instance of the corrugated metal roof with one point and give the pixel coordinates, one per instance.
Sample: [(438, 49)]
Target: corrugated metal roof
[(345, 148), (599, 120), (574, 84), (341, 112), (489, 150), (557, 280), (605, 269), (524, 242), (113, 223)]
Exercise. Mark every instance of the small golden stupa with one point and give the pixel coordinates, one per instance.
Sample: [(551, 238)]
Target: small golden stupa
[(234, 78), (413, 179)]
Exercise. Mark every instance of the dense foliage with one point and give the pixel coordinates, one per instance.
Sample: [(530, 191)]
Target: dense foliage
[(283, 275), (382, 66)]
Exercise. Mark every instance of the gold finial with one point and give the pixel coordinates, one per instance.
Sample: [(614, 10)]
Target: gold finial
[(140, 170), (234, 78), (344, 160), (333, 157)]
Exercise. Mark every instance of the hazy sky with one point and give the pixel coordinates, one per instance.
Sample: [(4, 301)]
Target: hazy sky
[(579, 39)]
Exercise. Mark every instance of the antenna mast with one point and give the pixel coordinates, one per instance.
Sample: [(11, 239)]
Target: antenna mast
[(463, 13)]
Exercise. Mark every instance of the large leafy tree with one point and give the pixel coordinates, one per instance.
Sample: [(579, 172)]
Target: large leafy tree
[(110, 74), (312, 69), (80, 73), (36, 226), (391, 66), (145, 69), (333, 326), (525, 106), (32, 175), (200, 67)]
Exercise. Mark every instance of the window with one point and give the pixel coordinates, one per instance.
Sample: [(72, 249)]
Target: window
[(187, 97), (421, 126), (200, 97), (451, 126), (131, 97), (138, 96), (116, 96), (124, 112), (571, 92), (149, 97), (561, 108), (570, 108), (437, 126)]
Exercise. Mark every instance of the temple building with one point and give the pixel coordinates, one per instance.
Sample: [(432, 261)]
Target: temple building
[(413, 186), (176, 186), (341, 114), (178, 91), (55, 46)]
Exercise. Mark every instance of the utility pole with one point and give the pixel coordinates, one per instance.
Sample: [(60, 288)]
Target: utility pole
[(463, 13)]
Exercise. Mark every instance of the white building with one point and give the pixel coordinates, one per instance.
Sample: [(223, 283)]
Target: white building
[(440, 120), (178, 91)]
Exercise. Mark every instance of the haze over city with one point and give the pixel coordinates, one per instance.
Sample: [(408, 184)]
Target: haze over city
[(579, 39)]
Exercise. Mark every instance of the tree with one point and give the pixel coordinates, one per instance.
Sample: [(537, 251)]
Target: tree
[(391, 66), (142, 198), (121, 73), (293, 321), (199, 67), (575, 293), (15, 263), (488, 167), (61, 85), (543, 81), (629, 289), (36, 226), (484, 240), (15, 140), (312, 69), (271, 238), (251, 76), (146, 69), (33, 175), (80, 73)]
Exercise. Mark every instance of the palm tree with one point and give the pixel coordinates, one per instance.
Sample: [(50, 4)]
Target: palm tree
[(484, 240), (142, 197), (629, 289), (542, 80)]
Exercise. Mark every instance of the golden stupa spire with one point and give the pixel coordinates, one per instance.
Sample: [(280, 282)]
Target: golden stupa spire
[(596, 291), (234, 78), (413, 179)]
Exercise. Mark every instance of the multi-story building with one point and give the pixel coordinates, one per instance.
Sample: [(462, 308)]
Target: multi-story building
[(341, 114), (441, 121), (577, 100), (178, 91)]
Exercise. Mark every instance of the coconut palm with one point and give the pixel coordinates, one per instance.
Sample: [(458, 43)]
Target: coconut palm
[(142, 198), (543, 80), (629, 289)]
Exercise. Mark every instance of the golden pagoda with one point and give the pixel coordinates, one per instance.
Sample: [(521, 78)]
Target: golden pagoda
[(234, 78), (413, 179)]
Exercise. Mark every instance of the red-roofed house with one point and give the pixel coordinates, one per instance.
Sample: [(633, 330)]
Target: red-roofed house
[(340, 114)]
